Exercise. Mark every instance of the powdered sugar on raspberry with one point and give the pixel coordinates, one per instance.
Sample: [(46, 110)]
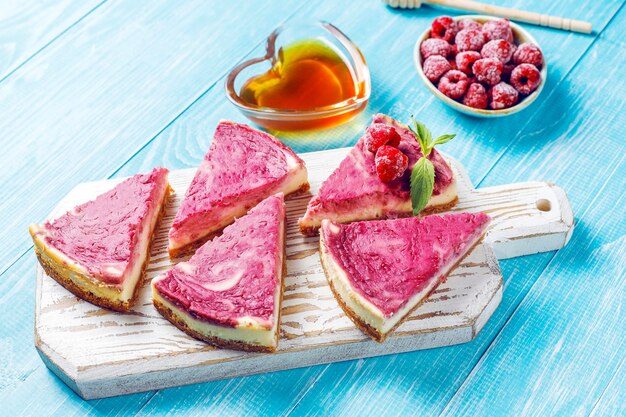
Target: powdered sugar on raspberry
[(432, 47), (499, 49), (498, 29), (435, 66), (469, 40)]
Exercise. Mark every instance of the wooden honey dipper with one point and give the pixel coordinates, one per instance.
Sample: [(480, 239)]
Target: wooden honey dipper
[(512, 14)]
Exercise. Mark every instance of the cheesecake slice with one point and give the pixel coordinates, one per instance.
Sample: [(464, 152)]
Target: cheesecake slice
[(381, 270), (229, 293), (354, 191), (242, 167), (99, 249)]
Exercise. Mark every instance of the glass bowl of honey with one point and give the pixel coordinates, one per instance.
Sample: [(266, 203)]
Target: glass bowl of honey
[(311, 77)]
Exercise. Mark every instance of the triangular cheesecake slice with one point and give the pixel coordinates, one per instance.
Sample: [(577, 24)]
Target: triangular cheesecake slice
[(242, 167), (229, 293), (354, 191), (382, 270), (99, 249)]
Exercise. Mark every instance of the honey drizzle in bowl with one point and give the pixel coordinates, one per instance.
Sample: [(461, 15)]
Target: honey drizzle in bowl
[(306, 75)]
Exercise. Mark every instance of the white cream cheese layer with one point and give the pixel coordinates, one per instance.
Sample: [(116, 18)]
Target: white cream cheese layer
[(294, 181), (79, 275), (249, 330), (377, 212)]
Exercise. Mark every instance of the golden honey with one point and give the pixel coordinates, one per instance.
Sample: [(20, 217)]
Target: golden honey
[(307, 75)]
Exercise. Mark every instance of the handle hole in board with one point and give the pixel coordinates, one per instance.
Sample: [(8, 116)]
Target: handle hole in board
[(543, 204)]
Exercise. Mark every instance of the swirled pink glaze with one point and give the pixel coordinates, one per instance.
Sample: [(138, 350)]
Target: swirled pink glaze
[(101, 235), (235, 275), (356, 178), (243, 165), (389, 261)]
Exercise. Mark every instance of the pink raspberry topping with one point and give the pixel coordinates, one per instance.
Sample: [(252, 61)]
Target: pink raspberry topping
[(499, 49), (432, 47), (528, 53), (390, 163), (476, 96), (525, 78), (488, 70), (469, 24), (379, 134), (469, 40), (498, 29), (465, 60), (435, 66), (502, 96), (453, 84), (444, 27)]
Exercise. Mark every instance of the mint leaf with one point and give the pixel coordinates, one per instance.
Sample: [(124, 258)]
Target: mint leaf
[(423, 136), (422, 184), (443, 139)]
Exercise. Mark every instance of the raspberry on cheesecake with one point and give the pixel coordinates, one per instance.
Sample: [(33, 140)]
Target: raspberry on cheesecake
[(355, 190)]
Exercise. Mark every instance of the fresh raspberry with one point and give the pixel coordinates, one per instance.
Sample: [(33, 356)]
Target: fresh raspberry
[(506, 71), (469, 24), (465, 60), (476, 96), (444, 27), (469, 40), (390, 163), (488, 70), (502, 95), (435, 66), (432, 47), (528, 53), (453, 84), (379, 134), (499, 49), (498, 29), (525, 78)]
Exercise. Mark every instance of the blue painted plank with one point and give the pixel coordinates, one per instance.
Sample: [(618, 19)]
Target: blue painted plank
[(563, 344), (191, 128), (612, 403), (192, 133), (441, 119), (566, 340), (104, 89), (26, 27), (423, 382)]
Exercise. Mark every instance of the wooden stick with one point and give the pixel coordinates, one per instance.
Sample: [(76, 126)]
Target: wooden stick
[(513, 14)]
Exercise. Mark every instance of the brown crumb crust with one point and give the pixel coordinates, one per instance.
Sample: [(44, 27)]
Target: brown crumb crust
[(61, 274), (216, 341)]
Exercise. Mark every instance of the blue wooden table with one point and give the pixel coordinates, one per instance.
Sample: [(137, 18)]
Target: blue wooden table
[(92, 89)]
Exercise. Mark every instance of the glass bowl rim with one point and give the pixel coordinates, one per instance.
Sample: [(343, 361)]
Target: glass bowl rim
[(331, 110)]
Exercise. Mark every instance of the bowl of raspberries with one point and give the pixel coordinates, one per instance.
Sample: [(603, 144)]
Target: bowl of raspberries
[(480, 65)]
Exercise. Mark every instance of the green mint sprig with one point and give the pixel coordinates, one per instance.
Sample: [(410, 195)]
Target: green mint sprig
[(423, 173)]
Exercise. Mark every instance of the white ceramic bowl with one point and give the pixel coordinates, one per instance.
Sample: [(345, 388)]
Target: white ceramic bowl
[(520, 35)]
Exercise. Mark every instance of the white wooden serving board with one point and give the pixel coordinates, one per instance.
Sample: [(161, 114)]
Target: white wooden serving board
[(101, 353)]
